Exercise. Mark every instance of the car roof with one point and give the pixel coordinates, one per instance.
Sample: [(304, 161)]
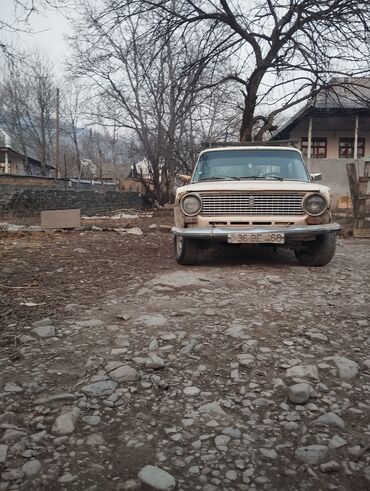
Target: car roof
[(248, 147)]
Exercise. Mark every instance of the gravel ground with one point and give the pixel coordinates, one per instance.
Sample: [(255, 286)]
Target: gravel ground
[(121, 370)]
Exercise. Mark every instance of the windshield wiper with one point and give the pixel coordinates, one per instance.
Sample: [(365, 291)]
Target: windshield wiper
[(263, 177), (224, 178)]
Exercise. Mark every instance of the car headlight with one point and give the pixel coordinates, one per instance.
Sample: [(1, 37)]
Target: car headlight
[(315, 204), (191, 204)]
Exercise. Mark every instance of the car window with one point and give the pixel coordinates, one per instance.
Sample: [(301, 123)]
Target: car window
[(241, 164)]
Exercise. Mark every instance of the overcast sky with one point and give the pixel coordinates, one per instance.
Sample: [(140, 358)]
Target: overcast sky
[(49, 31)]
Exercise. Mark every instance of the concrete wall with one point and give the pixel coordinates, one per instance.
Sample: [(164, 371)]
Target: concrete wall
[(334, 174)]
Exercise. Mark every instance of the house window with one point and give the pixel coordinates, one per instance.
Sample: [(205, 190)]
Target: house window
[(347, 147), (318, 147)]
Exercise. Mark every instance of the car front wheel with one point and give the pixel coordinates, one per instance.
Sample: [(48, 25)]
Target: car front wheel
[(317, 252), (186, 250)]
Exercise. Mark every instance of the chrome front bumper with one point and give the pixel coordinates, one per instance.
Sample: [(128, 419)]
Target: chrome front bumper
[(293, 231)]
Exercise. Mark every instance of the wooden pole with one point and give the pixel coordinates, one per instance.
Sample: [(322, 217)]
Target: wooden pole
[(355, 144), (309, 138), (57, 136), (7, 166)]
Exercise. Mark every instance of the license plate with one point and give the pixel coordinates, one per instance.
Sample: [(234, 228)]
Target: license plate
[(263, 238)]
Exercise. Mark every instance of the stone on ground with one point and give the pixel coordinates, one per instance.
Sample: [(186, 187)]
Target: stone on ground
[(157, 478)]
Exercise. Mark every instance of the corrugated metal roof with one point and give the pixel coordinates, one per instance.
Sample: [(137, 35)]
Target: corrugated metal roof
[(346, 94)]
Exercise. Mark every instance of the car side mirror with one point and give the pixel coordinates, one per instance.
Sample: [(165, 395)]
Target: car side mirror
[(184, 178), (316, 177)]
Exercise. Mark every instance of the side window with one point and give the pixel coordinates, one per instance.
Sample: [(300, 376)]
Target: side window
[(318, 147), (347, 148)]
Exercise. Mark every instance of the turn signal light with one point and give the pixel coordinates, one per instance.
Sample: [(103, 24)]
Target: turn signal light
[(190, 219), (313, 221)]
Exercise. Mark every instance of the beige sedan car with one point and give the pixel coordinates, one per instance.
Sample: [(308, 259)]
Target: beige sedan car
[(254, 195)]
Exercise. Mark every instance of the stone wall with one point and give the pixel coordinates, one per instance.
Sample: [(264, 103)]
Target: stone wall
[(22, 199), (60, 183)]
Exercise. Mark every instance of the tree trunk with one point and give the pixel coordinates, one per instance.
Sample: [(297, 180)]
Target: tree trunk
[(250, 102)]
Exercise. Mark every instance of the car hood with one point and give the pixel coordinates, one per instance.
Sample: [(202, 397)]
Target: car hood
[(253, 185)]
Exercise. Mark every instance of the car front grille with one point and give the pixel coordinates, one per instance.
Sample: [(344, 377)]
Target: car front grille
[(252, 204)]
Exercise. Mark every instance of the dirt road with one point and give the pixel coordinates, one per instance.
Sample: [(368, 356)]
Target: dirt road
[(122, 370)]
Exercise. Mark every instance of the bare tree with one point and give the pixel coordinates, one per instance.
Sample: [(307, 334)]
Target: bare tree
[(29, 105), (143, 88), (284, 52), (18, 20)]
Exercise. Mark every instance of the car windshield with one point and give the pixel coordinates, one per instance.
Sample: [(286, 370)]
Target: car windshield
[(250, 164)]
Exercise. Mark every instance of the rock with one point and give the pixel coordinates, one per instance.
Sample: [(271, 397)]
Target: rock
[(233, 433), (26, 338), (336, 442), (43, 322), (189, 347), (67, 477), (13, 388), (153, 226), (330, 419), (191, 391), (331, 466), (157, 478), (56, 399), (303, 371), (212, 408), (90, 323), (94, 439), (312, 454), (222, 440), (91, 420), (356, 450), (65, 423), (13, 435), (157, 320), (45, 331), (31, 468), (153, 345), (3, 453), (134, 231), (209, 312), (154, 362), (181, 279), (98, 389), (347, 369), (12, 475), (299, 393), (124, 373), (231, 475), (237, 331), (269, 453), (246, 360)]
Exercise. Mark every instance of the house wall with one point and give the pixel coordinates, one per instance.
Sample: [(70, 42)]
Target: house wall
[(17, 164), (334, 175), (333, 168), (334, 128)]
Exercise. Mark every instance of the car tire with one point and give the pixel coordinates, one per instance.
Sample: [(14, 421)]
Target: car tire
[(319, 251), (186, 250)]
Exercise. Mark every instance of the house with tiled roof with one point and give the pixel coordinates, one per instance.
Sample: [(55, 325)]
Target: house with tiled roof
[(336, 122), (332, 130)]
